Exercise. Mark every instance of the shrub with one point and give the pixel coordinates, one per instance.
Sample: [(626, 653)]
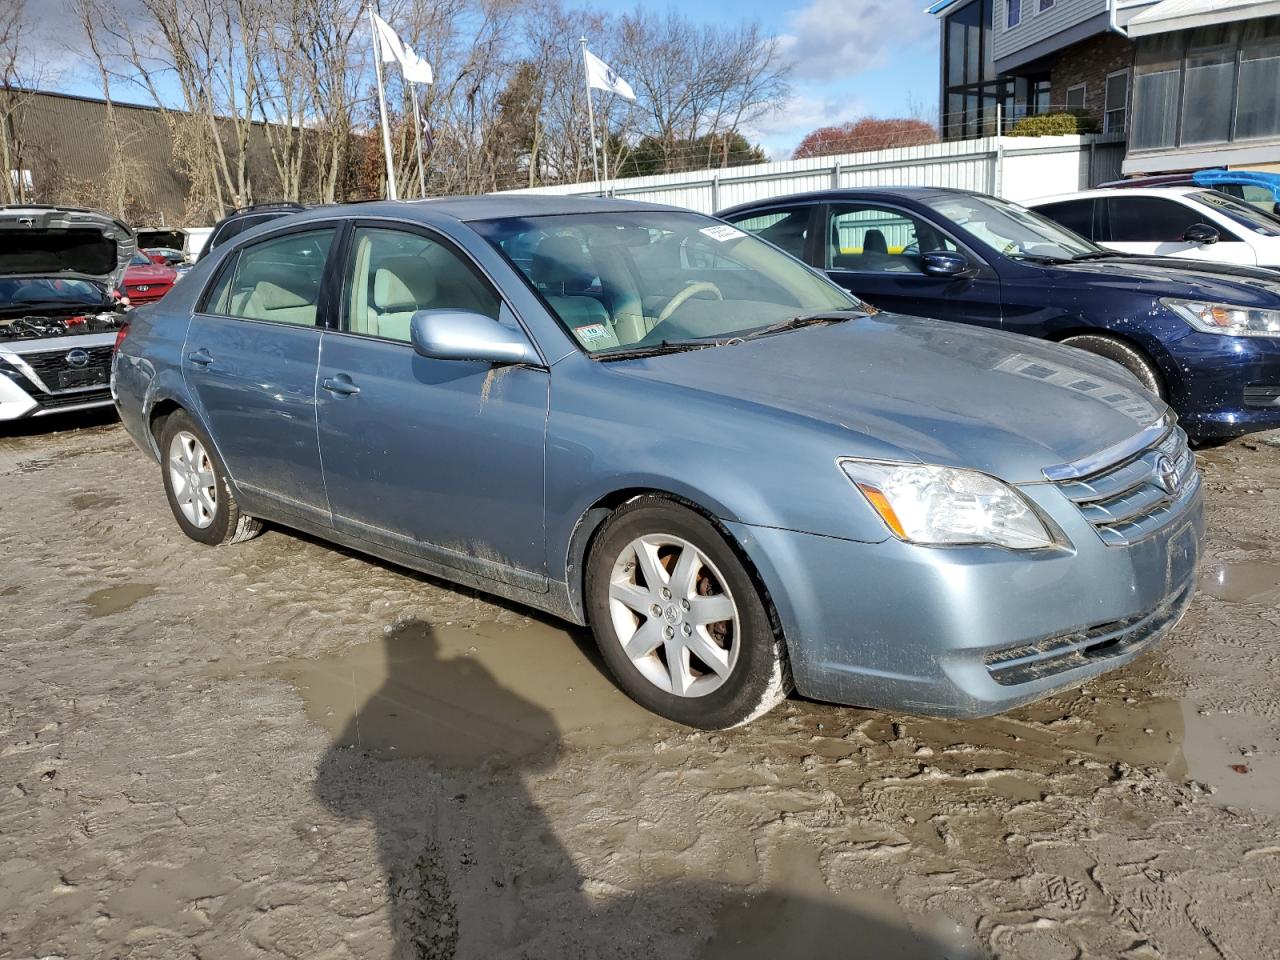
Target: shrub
[(1054, 125)]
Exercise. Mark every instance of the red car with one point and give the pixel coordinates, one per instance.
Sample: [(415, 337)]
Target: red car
[(145, 282)]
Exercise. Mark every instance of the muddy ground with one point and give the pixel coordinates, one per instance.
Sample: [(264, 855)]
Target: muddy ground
[(283, 749)]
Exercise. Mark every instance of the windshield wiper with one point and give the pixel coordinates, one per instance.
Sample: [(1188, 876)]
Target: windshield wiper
[(666, 346), (803, 320), (1038, 258), (1099, 255)]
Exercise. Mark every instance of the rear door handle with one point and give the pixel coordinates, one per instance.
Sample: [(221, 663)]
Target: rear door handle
[(341, 385), (201, 357)]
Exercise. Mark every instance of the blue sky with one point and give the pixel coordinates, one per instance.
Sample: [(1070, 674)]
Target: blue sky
[(854, 58)]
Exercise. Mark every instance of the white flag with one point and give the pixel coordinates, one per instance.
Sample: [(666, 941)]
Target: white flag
[(602, 77), (394, 50)]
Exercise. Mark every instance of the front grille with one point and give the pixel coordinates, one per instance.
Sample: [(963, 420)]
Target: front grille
[(1044, 658), (52, 401), (1127, 500), (1262, 396), (57, 374)]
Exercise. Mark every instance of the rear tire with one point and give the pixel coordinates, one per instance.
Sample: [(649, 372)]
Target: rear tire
[(195, 482), (692, 640), (1129, 357)]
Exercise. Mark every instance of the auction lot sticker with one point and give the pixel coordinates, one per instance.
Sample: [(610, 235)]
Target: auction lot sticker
[(722, 232)]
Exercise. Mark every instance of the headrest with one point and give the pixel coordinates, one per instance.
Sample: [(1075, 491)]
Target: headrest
[(874, 242), (403, 283), (561, 264)]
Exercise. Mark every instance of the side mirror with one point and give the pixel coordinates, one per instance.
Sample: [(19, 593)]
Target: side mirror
[(1201, 233), (944, 263), (462, 335), (1275, 208)]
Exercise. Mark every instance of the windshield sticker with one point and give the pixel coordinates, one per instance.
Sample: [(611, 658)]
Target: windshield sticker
[(722, 232), (591, 332)]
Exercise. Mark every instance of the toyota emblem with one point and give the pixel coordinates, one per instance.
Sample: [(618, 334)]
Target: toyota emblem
[(1166, 472), (77, 358)]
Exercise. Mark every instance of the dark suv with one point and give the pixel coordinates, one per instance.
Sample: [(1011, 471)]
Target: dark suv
[(246, 218)]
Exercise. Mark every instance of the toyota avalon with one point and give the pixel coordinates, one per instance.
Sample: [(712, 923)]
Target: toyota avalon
[(638, 418)]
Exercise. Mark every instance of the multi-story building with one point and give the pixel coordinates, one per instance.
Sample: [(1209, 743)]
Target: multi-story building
[(1192, 83)]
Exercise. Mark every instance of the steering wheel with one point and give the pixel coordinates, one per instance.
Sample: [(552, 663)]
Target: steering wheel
[(676, 302)]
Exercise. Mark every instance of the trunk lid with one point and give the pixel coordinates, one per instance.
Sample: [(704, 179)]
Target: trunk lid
[(63, 243)]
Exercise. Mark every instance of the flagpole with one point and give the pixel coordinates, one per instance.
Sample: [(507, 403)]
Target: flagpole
[(382, 109), (591, 119), (604, 147), (417, 129)]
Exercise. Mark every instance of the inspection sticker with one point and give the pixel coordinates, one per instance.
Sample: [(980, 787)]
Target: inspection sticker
[(591, 332), (722, 232)]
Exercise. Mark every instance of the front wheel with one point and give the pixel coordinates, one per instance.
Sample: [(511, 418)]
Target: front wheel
[(196, 485), (679, 620)]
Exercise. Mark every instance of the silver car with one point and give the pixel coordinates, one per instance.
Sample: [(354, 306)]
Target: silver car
[(641, 419), (59, 316)]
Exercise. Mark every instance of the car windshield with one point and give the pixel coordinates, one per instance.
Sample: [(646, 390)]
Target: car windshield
[(1243, 214), (140, 260), (632, 281), (1013, 230)]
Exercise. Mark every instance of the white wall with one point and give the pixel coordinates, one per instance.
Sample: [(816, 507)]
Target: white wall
[(1019, 168)]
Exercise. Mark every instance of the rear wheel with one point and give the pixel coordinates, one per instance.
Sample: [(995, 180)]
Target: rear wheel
[(1128, 356), (196, 485), (679, 620)]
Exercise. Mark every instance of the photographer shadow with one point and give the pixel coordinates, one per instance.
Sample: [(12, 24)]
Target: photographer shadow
[(436, 757)]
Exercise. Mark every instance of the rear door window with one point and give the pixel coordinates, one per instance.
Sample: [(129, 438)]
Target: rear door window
[(785, 227), (276, 280), (872, 239), (1149, 220)]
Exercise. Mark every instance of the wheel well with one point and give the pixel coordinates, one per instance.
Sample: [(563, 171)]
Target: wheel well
[(1059, 335), (159, 414), (591, 521)]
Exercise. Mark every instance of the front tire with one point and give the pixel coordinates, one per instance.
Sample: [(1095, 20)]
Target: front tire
[(680, 621), (1128, 356), (195, 482)]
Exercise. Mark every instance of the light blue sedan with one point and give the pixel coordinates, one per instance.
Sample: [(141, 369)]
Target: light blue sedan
[(644, 420)]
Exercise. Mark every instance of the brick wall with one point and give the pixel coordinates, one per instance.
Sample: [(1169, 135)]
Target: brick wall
[(1089, 62)]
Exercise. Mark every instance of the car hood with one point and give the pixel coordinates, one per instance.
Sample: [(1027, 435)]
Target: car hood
[(1174, 277), (910, 388), (154, 273), (64, 243)]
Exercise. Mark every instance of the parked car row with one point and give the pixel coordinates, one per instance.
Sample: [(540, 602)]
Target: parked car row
[(738, 474)]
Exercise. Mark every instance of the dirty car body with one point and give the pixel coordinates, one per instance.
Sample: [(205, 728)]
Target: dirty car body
[(781, 437), (58, 315)]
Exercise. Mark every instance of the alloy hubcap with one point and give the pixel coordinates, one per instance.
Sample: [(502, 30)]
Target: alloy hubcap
[(673, 615), (195, 487)]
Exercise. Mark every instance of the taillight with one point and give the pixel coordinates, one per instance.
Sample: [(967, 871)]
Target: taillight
[(120, 335)]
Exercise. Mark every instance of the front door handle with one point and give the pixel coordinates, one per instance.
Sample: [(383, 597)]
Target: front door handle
[(201, 357), (341, 385)]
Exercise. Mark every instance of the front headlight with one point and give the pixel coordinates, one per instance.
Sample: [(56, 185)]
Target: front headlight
[(934, 505), (1226, 319)]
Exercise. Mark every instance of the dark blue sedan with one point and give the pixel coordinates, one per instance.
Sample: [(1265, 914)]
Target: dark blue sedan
[(1203, 336)]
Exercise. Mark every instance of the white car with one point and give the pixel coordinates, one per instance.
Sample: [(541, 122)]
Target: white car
[(1190, 222)]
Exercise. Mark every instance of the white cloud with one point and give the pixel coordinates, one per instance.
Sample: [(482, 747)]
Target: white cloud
[(838, 38), (781, 129)]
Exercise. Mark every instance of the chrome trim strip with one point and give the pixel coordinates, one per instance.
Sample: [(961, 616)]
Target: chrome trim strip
[(1110, 456)]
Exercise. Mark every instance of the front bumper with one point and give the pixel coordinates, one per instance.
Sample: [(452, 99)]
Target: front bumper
[(37, 380), (972, 631), (1225, 386)]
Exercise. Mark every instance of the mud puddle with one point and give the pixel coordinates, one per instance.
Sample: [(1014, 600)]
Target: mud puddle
[(800, 916), (114, 599), (95, 501), (464, 696), (1246, 581)]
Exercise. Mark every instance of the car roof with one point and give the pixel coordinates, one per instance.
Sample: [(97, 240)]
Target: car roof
[(484, 207), (888, 192), (1117, 191)]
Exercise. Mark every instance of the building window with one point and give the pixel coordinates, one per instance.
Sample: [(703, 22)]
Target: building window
[(1012, 13), (1214, 84), (1115, 107), (1075, 97), (1046, 5)]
